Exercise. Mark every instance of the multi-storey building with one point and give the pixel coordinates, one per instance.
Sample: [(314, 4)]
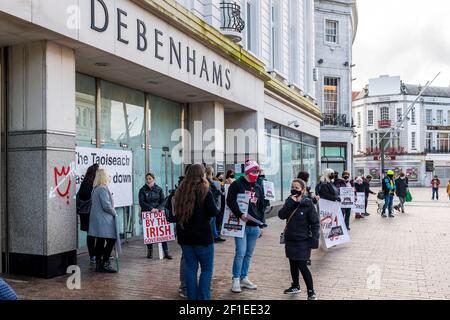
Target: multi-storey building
[(163, 82), (420, 148), (336, 23)]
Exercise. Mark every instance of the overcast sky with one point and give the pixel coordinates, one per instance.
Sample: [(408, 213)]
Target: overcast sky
[(409, 38)]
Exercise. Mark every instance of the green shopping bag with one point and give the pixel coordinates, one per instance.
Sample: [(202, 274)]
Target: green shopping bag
[(408, 196)]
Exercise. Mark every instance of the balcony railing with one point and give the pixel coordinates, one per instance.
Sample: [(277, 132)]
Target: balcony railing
[(384, 123), (437, 150), (335, 119), (232, 23)]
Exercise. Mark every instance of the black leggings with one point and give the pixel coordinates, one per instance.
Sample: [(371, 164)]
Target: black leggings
[(104, 251), (91, 245), (301, 266)]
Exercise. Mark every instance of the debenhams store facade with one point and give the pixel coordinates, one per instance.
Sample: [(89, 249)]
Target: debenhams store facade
[(122, 75)]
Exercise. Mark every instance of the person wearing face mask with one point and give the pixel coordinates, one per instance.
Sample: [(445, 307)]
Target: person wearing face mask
[(301, 235), (245, 246), (345, 183), (359, 188), (230, 177), (151, 198), (401, 188), (389, 191), (326, 188)]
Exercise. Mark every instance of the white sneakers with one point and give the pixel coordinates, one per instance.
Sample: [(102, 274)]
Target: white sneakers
[(244, 283), (236, 286)]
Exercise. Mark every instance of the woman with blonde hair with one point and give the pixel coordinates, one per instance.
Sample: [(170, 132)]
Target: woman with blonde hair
[(102, 222), (301, 234), (193, 207)]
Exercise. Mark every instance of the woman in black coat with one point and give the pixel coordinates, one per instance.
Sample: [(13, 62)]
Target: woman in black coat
[(301, 235), (326, 188), (151, 197), (84, 194)]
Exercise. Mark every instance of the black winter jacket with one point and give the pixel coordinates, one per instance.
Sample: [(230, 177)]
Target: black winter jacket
[(151, 198), (197, 232), (327, 191), (304, 224), (360, 187), (401, 186), (241, 185)]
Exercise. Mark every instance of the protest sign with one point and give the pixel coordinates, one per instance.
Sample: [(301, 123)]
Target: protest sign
[(231, 225), (269, 190), (347, 196), (360, 203), (118, 164), (332, 223), (156, 227)]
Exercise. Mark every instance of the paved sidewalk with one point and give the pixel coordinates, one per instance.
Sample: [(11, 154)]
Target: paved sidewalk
[(408, 254)]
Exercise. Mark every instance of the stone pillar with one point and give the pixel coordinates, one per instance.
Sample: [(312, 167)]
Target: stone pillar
[(41, 151), (206, 127)]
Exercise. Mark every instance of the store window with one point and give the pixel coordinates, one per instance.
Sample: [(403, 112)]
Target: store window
[(85, 110), (334, 157)]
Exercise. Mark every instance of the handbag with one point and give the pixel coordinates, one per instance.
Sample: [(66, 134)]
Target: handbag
[(380, 195), (83, 206), (282, 235)]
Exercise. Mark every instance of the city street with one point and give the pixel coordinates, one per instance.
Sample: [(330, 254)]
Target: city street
[(405, 257)]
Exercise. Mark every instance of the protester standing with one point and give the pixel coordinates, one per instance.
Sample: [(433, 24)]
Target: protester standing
[(303, 175), (388, 186), (246, 245), (344, 183), (230, 177), (301, 235), (151, 199), (193, 206), (401, 188), (367, 191), (326, 188), (102, 222), (217, 194), (435, 184), (84, 206), (359, 188)]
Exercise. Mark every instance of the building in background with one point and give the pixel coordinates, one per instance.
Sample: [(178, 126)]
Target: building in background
[(126, 76), (336, 24), (421, 148)]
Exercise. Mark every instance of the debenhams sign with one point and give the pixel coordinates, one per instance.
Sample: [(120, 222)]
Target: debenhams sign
[(149, 39)]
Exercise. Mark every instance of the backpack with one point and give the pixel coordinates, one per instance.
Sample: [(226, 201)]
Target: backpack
[(168, 208)]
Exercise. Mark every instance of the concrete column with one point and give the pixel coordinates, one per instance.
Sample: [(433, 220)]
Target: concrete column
[(41, 146), (206, 127)]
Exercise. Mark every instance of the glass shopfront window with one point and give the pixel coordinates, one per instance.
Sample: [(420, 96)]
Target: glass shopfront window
[(274, 158), (292, 164), (85, 110)]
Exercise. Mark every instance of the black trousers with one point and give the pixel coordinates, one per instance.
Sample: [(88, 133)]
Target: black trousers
[(301, 267), (366, 202), (91, 245), (164, 245), (104, 252), (346, 212)]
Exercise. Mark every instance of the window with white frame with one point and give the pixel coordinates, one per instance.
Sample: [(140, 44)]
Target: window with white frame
[(331, 31), (429, 140), (429, 116), (359, 119), (413, 140), (399, 115), (439, 117), (294, 59), (276, 35), (331, 95), (251, 8), (370, 117), (413, 115), (373, 141), (384, 113)]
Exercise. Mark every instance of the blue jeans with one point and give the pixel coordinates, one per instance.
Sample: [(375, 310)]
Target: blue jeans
[(6, 292), (214, 227), (244, 251), (388, 202), (436, 192), (193, 255)]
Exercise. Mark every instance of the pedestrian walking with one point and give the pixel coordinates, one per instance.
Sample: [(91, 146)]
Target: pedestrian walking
[(245, 246), (84, 203), (435, 184), (301, 234), (367, 191), (193, 206), (6, 292), (215, 188), (359, 188), (401, 188), (345, 183), (388, 186), (103, 222), (151, 199)]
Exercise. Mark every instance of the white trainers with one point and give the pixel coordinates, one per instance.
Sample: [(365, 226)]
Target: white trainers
[(236, 286), (245, 283)]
